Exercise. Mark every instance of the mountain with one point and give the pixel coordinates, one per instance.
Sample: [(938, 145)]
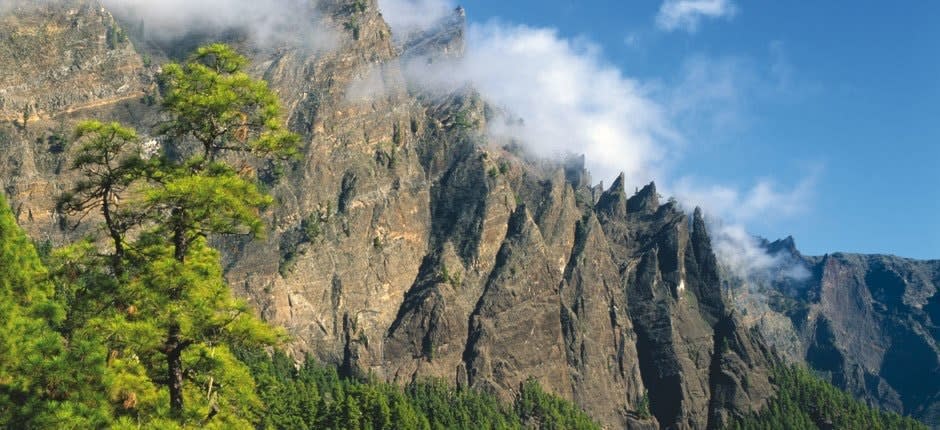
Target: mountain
[(408, 244), (867, 322)]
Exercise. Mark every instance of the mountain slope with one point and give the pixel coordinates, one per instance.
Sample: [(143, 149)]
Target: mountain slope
[(869, 322)]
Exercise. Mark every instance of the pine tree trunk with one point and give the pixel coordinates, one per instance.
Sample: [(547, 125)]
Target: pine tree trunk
[(117, 260), (174, 361)]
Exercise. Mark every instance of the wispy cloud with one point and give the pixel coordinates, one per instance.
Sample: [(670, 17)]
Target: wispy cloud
[(408, 16), (268, 23), (713, 93), (687, 15), (747, 258), (570, 98), (765, 201)]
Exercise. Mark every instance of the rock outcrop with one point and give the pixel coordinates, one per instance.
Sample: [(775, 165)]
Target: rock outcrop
[(867, 322)]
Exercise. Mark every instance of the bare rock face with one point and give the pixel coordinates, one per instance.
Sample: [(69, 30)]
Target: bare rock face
[(408, 244), (62, 57), (59, 61), (870, 323), (867, 322)]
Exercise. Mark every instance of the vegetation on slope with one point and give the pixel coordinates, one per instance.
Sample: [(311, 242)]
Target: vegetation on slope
[(803, 401), (314, 396)]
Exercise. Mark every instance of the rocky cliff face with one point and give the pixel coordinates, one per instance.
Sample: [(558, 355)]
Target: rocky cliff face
[(868, 322), (60, 61), (408, 244)]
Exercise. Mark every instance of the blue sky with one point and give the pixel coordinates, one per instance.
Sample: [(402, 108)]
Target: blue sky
[(819, 119)]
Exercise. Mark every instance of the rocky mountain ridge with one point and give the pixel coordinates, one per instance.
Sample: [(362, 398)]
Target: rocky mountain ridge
[(867, 322), (407, 243)]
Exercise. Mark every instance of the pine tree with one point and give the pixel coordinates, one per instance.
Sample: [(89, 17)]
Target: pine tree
[(110, 161), (44, 382), (212, 100), (167, 321)]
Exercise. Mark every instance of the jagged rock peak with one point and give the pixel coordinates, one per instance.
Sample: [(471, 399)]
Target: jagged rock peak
[(787, 245), (613, 203), (645, 200), (698, 221), (619, 185)]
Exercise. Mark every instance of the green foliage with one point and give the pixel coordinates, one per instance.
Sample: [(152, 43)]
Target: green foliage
[(462, 120), (358, 6), (503, 167), (397, 135), (354, 27), (803, 401), (27, 113), (57, 143), (115, 37), (140, 333), (312, 227), (110, 161), (29, 314), (216, 201), (313, 396), (643, 407), (211, 99), (545, 411), (455, 279)]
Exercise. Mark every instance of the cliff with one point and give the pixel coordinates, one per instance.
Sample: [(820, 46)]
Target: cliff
[(866, 322)]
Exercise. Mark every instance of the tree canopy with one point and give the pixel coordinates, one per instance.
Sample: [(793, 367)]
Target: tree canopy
[(211, 99), (142, 312), (804, 401)]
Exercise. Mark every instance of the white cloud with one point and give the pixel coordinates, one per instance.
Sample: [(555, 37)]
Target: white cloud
[(407, 16), (270, 22), (688, 14), (765, 201), (570, 98)]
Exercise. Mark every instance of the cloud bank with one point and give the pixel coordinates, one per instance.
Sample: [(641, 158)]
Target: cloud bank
[(570, 99), (268, 23), (687, 15)]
